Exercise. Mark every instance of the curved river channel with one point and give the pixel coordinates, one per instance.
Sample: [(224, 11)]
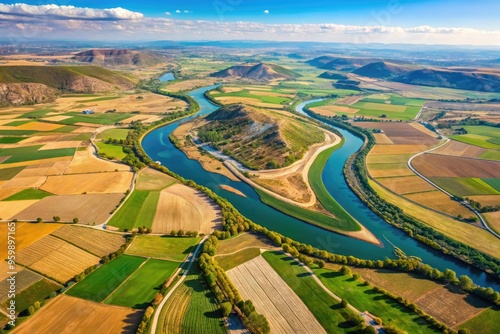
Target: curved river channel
[(158, 146)]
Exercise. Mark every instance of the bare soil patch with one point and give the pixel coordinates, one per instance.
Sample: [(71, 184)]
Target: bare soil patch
[(400, 133), (406, 184), (60, 144), (459, 149), (242, 241), (11, 208), (233, 190), (349, 99), (112, 182), (151, 179), (333, 110), (398, 149), (434, 165)]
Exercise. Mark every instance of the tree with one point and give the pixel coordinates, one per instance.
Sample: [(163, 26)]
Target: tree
[(226, 308), (450, 276), (173, 233), (56, 218), (39, 220), (37, 305), (75, 220), (344, 303), (31, 310), (180, 233), (463, 331), (465, 283), (346, 270)]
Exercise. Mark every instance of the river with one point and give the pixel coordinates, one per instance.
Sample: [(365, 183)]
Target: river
[(158, 146)]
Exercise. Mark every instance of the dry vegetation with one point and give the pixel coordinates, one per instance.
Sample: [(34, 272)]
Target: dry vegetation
[(256, 280), (87, 162), (406, 184), (438, 200), (113, 182), (459, 149), (150, 179), (11, 209), (241, 241), (433, 165), (401, 133)]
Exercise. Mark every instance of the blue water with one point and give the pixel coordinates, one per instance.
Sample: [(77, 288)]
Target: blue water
[(167, 77), (158, 147)]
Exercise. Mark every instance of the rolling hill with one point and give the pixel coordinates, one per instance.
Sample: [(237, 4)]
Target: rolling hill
[(258, 138), (262, 72), (381, 70), (117, 57), (338, 63), (332, 76)]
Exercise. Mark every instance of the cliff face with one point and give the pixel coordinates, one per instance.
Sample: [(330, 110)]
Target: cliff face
[(16, 94)]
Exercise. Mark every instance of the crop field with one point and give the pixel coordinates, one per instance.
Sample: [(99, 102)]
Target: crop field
[(61, 145), (191, 308), (433, 165), (112, 182), (397, 149), (482, 136), (243, 240), (365, 298), (10, 209), (36, 292), (114, 152), (91, 318), (168, 248), (388, 158), (86, 162), (493, 219), (25, 182), (24, 279), (150, 179), (141, 287), (245, 95), (401, 133), (30, 153), (101, 283), (331, 110), (99, 243), (55, 258), (138, 210), (459, 149), (324, 307), (485, 322), (406, 184), (100, 119), (181, 207), (438, 200), (9, 173), (463, 186), (256, 280), (395, 108), (89, 209), (113, 134), (10, 140), (26, 194), (230, 261)]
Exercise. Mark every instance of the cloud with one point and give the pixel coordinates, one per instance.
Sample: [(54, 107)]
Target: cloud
[(186, 11), (266, 11), (68, 12), (178, 11), (168, 13)]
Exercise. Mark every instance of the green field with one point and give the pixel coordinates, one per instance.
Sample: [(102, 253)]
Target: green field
[(16, 123), (324, 307), (100, 283), (486, 322), (169, 248), (30, 193), (11, 140), (263, 98), (113, 134), (463, 186), (228, 262), (191, 308), (37, 113), (104, 119), (138, 210), (482, 136), (104, 98), (364, 298), (17, 132), (345, 221), (35, 293), (140, 288), (28, 153), (112, 151), (82, 137), (9, 173), (491, 155)]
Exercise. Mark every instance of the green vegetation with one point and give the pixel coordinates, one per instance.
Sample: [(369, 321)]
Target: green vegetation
[(111, 151), (230, 261), (82, 137), (17, 132), (113, 134), (482, 136), (103, 281), (139, 210), (485, 322), (170, 248), (16, 123), (9, 173), (65, 129), (346, 222), (141, 287), (35, 293), (11, 140), (104, 119), (37, 113), (28, 153), (364, 297), (104, 98), (491, 155), (245, 93), (324, 307), (495, 183), (30, 193), (462, 186)]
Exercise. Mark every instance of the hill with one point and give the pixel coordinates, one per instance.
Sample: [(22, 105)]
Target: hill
[(381, 70), (258, 138), (260, 71), (117, 57), (16, 94), (332, 76), (338, 63), (74, 79)]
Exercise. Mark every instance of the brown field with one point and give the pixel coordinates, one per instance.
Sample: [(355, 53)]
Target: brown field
[(7, 192), (493, 219), (247, 100), (451, 308), (406, 184), (398, 149), (422, 128), (94, 241), (112, 182), (434, 165), (256, 280), (46, 139), (58, 168), (25, 182), (56, 118), (55, 258), (400, 133), (87, 162), (382, 172), (487, 200), (26, 234), (241, 241), (333, 110), (60, 144), (142, 118), (87, 126), (381, 138), (89, 209), (84, 129), (460, 149), (349, 99), (189, 84), (70, 315), (35, 170), (24, 279), (151, 179), (12, 208), (181, 207), (39, 126), (438, 200)]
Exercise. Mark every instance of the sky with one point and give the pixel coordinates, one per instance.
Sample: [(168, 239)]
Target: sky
[(459, 22)]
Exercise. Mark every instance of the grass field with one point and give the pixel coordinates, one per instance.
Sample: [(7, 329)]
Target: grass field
[(138, 210), (484, 323), (9, 173), (30, 193), (28, 153), (10, 140), (100, 283), (168, 248), (228, 262), (265, 98), (364, 298), (191, 308), (113, 134), (37, 292), (141, 287), (104, 119), (463, 186), (111, 150), (327, 310), (482, 136)]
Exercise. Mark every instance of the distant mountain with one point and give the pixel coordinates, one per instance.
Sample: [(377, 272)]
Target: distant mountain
[(338, 63), (16, 94), (381, 70), (260, 71), (117, 57), (332, 76)]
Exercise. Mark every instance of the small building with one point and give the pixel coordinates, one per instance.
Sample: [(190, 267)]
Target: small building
[(88, 111)]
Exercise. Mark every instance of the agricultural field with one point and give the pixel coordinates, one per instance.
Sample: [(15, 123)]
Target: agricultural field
[(402, 133), (242, 241), (24, 279), (92, 317), (56, 258), (141, 287), (150, 179), (483, 136), (35, 292), (493, 219), (256, 280), (191, 308), (115, 133), (253, 96), (87, 162), (167, 248), (138, 210), (112, 151), (484, 322), (30, 153), (99, 243), (233, 260), (106, 183)]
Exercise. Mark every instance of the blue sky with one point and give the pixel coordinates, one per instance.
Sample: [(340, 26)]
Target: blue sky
[(438, 21)]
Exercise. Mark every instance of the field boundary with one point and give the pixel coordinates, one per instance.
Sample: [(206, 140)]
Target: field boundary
[(123, 282)]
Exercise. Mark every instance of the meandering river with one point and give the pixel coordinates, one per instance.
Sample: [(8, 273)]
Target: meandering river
[(158, 146)]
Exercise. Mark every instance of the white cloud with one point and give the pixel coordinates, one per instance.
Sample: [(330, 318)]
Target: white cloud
[(266, 11), (178, 11), (168, 13), (68, 12), (186, 11)]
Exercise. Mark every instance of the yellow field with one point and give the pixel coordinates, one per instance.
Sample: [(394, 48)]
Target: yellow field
[(333, 110), (387, 158), (112, 182), (487, 200), (150, 179), (39, 126), (60, 144), (493, 219), (406, 184), (87, 162), (46, 139), (6, 192), (71, 315), (397, 149), (423, 129), (34, 162), (25, 182), (142, 118), (389, 172), (381, 138), (246, 100), (385, 106), (241, 241), (56, 118), (438, 200), (11, 208), (189, 84), (55, 258)]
